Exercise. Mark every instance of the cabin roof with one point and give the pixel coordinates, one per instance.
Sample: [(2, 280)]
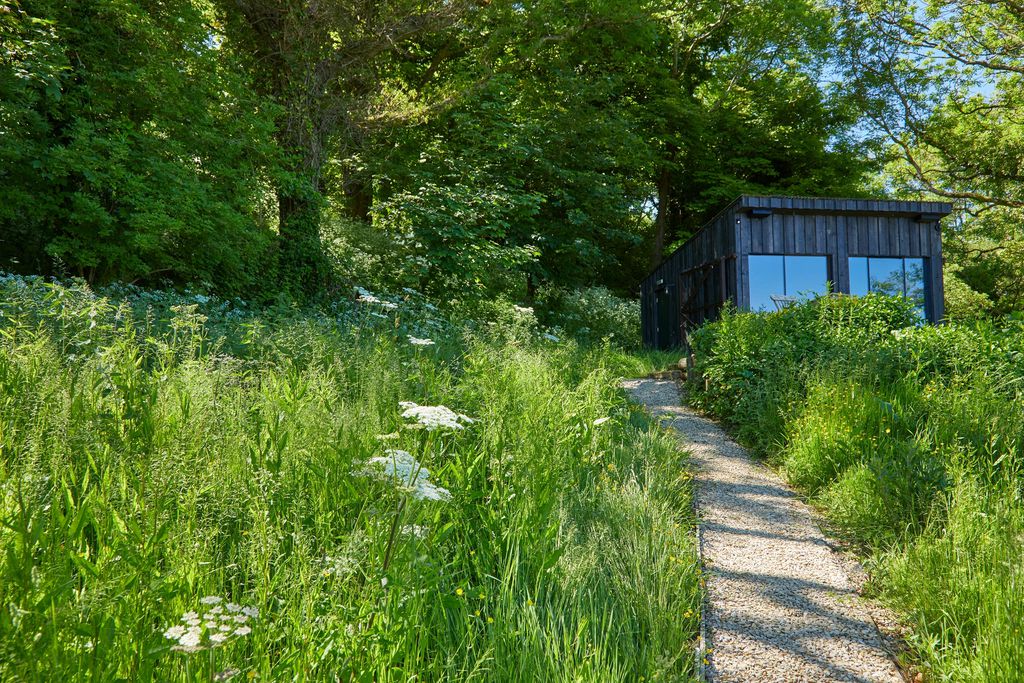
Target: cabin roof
[(828, 205)]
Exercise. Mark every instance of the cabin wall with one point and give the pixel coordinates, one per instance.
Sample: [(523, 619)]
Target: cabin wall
[(713, 266), (840, 236), (695, 281)]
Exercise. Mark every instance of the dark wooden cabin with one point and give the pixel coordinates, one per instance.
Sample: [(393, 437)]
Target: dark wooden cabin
[(764, 252)]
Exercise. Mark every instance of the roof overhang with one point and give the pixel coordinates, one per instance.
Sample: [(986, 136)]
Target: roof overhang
[(922, 211)]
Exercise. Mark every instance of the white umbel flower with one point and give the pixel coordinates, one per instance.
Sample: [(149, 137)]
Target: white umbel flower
[(435, 417), (416, 341), (209, 627), (403, 468), (175, 632), (190, 641), (414, 530)]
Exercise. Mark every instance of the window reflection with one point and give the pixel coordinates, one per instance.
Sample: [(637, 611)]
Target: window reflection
[(767, 279), (885, 275), (806, 276), (775, 280), (859, 275), (892, 276), (915, 283)]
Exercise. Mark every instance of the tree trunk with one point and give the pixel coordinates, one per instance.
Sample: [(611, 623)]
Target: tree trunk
[(661, 221), (531, 288), (302, 135), (359, 199)]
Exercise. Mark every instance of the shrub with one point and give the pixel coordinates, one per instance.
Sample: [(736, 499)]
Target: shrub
[(590, 315)]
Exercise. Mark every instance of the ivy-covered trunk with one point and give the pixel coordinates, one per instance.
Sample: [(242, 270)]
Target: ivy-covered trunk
[(302, 259), (303, 132)]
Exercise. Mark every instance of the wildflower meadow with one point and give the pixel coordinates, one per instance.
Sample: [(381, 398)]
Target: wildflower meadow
[(194, 489)]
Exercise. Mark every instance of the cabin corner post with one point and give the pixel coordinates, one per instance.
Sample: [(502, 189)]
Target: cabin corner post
[(938, 293)]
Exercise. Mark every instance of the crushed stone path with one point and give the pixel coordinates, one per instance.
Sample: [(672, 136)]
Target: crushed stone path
[(781, 607)]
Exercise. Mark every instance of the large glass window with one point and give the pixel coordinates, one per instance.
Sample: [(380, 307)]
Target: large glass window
[(893, 276), (775, 280)]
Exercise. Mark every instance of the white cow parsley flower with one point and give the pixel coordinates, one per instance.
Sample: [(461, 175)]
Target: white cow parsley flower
[(416, 341), (175, 632), (414, 530), (190, 641), (209, 627), (403, 468), (435, 417)]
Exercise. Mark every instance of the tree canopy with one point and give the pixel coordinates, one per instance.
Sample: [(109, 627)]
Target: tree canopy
[(484, 146), (942, 80)]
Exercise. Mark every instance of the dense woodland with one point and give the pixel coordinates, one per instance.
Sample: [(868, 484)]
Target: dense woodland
[(487, 146), (313, 315)]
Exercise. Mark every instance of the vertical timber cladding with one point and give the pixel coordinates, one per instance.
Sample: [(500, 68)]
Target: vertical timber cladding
[(695, 281), (712, 267)]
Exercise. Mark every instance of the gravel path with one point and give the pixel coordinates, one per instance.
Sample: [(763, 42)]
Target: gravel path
[(781, 606)]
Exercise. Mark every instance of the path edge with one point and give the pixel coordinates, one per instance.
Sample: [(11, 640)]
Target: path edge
[(705, 604), (889, 626), (701, 670)]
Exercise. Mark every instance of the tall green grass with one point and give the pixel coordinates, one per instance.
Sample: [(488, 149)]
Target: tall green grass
[(912, 440), (155, 452)]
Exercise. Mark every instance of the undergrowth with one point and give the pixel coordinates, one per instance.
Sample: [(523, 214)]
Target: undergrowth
[(193, 490), (912, 439)]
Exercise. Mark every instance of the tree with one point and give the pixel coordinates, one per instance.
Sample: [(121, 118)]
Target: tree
[(570, 115), (130, 149), (540, 125), (942, 80), (739, 102), (503, 145), (325, 64)]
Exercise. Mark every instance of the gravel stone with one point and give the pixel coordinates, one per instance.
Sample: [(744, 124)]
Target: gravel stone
[(781, 607)]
